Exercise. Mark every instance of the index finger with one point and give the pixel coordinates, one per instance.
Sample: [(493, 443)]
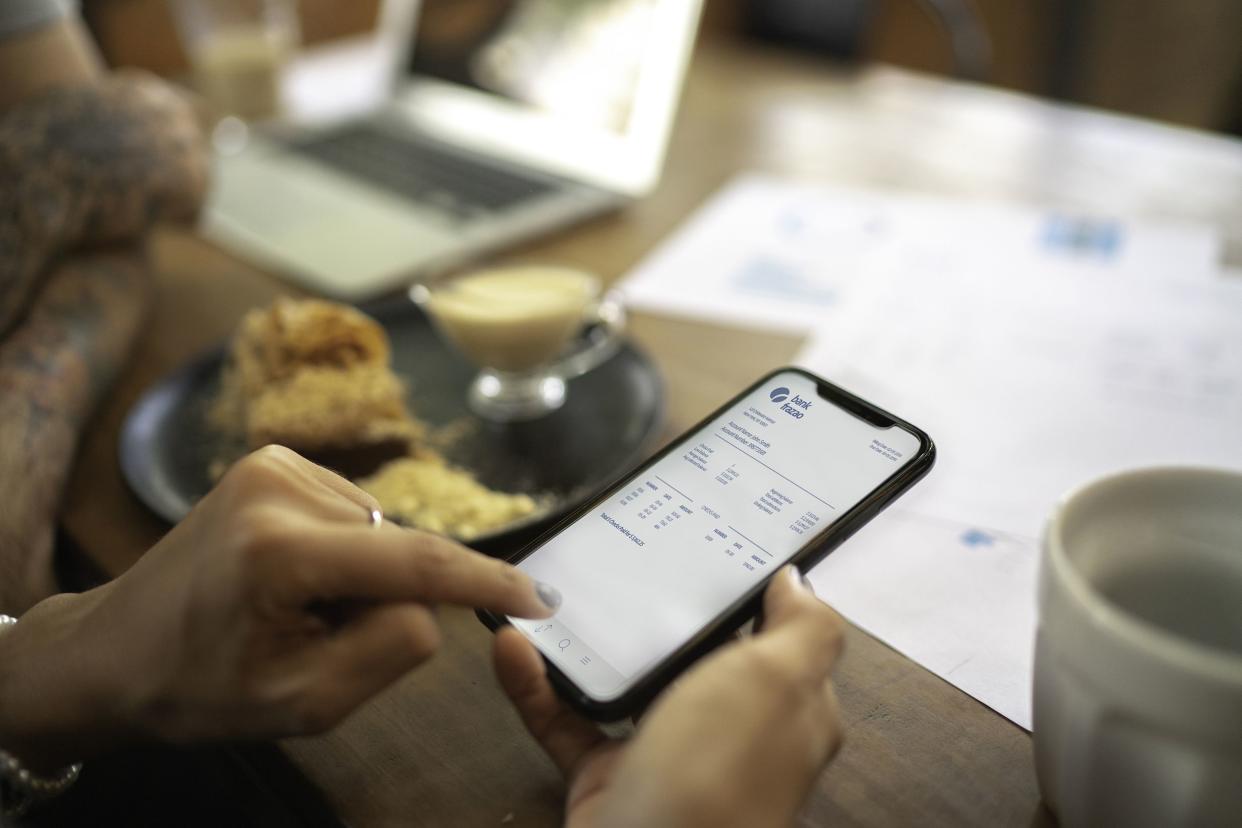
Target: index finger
[(395, 564)]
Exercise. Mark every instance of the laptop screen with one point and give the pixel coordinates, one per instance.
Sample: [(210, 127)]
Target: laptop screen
[(575, 59)]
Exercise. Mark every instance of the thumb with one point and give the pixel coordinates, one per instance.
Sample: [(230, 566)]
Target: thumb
[(798, 627), (564, 736), (788, 593)]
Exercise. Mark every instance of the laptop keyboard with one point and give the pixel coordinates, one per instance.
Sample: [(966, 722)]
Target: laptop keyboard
[(420, 171)]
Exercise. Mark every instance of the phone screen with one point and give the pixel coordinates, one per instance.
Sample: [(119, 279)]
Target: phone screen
[(663, 554)]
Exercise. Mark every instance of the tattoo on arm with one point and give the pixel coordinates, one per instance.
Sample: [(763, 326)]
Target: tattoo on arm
[(89, 165), (53, 369)]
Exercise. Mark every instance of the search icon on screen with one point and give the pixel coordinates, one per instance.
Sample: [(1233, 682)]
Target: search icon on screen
[(564, 642)]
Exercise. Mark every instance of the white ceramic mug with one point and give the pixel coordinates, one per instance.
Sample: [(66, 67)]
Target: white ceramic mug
[(1138, 661)]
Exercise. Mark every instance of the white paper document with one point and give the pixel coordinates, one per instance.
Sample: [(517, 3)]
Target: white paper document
[(956, 599), (1039, 348), (773, 254), (1035, 386), (1029, 387)]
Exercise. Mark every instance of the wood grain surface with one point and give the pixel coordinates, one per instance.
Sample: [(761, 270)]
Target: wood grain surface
[(442, 747)]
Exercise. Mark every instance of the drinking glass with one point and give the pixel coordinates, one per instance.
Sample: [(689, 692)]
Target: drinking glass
[(238, 50)]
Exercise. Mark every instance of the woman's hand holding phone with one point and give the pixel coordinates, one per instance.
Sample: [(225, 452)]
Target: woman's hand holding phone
[(738, 740)]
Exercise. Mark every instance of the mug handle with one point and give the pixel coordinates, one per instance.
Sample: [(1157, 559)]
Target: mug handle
[(605, 322)]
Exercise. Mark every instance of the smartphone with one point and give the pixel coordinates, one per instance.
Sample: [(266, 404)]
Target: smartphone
[(666, 563)]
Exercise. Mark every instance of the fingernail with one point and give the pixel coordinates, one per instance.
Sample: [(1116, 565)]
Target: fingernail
[(548, 594), (800, 581)]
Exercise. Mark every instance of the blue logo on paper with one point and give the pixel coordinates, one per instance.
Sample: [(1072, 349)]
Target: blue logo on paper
[(779, 394), (976, 538), (1083, 237)]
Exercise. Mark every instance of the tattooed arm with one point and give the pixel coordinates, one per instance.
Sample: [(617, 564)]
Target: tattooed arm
[(90, 164), (87, 165), (53, 367)]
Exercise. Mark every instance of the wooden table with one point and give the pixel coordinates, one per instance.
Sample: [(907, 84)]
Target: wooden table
[(443, 747)]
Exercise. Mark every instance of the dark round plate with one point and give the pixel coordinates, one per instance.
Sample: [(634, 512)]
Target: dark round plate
[(610, 420)]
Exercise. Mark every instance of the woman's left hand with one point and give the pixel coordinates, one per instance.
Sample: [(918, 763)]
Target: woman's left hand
[(274, 609)]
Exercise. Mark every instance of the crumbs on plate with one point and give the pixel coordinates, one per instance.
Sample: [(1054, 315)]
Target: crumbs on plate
[(315, 376)]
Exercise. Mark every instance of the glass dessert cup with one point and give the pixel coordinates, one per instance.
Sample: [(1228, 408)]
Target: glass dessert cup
[(528, 328)]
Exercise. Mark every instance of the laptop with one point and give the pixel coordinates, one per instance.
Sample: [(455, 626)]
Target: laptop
[(505, 120)]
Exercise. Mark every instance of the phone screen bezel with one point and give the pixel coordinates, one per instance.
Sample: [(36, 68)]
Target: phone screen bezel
[(733, 616)]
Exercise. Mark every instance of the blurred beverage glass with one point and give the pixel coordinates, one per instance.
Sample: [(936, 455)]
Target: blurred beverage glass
[(238, 50)]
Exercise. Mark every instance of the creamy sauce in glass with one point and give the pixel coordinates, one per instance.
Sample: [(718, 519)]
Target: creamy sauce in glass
[(513, 319)]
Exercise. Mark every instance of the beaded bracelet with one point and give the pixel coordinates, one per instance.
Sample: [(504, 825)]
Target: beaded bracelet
[(20, 789)]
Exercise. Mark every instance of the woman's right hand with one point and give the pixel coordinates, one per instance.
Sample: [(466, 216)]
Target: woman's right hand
[(275, 608), (737, 741)]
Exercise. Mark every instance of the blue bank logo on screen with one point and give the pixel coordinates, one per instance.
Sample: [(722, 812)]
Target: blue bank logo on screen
[(779, 394)]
